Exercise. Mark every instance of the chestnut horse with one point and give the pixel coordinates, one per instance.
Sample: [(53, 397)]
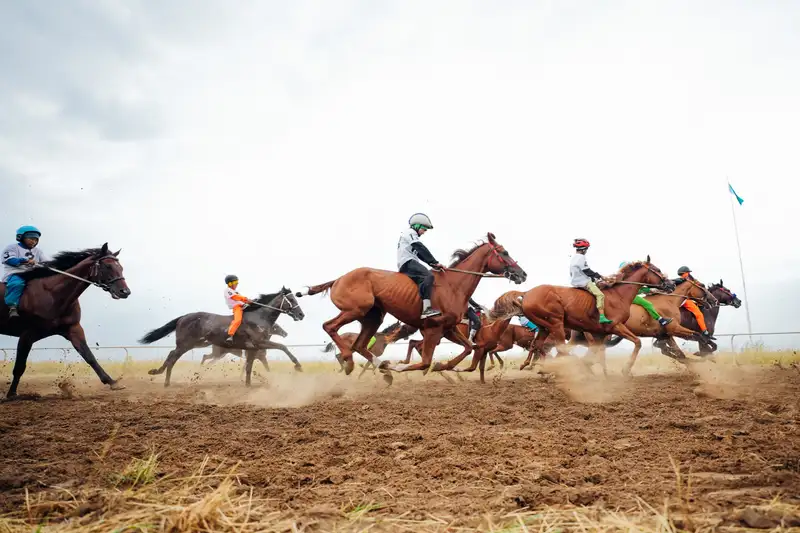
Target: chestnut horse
[(367, 294), (641, 324), (716, 295), (382, 340), (552, 308), (49, 305)]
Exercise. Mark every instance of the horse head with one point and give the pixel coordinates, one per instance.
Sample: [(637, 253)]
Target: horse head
[(646, 273), (106, 271), (724, 296), (501, 262), (290, 306)]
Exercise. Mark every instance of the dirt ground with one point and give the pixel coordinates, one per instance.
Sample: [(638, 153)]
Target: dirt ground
[(709, 442)]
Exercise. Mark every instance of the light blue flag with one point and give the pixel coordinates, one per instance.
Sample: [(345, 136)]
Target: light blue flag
[(738, 198)]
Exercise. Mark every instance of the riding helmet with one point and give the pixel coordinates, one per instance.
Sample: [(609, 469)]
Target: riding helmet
[(420, 220), (231, 278), (27, 232)]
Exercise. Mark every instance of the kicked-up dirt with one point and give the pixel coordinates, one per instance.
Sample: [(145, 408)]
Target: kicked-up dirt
[(711, 442)]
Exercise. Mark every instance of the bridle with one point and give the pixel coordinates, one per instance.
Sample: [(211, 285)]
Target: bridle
[(648, 267), (94, 272)]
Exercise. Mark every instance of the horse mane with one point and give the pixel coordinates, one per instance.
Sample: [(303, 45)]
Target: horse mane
[(61, 261), (461, 254), (263, 299), (506, 306)]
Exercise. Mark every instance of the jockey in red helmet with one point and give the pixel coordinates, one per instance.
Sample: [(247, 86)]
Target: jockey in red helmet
[(584, 277)]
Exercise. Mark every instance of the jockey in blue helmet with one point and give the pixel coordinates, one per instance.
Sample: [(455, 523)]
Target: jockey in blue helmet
[(18, 258)]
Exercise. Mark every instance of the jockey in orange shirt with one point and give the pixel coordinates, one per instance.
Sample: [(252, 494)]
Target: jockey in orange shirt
[(235, 302), (685, 274)]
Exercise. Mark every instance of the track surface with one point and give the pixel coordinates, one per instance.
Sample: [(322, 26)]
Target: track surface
[(426, 446)]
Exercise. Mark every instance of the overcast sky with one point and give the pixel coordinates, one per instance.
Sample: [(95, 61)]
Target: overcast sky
[(289, 142)]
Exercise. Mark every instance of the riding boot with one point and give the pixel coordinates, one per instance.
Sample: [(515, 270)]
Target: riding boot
[(12, 311), (604, 320), (428, 311), (664, 321), (229, 339), (707, 335)]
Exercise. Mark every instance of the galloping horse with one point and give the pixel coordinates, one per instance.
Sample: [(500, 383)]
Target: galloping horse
[(367, 294), (198, 330), (724, 297), (642, 324), (50, 305), (552, 308)]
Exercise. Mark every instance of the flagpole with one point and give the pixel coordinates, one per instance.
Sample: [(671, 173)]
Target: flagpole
[(741, 266)]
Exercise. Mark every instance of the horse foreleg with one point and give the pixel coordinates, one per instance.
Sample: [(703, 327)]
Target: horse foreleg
[(431, 338), (623, 331), (455, 335), (261, 355), (412, 345), (537, 347), (77, 337), (24, 345)]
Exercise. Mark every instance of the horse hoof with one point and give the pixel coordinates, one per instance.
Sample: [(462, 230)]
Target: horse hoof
[(153, 371), (298, 368), (117, 385)]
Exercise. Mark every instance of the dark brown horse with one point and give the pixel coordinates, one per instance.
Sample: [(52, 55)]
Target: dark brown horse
[(49, 305), (218, 352), (367, 294), (553, 308)]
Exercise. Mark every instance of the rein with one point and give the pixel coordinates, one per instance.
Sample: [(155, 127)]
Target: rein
[(106, 286), (481, 274), (279, 309)]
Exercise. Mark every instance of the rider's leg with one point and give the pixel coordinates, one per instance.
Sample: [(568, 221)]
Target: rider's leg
[(372, 342), (14, 287), (600, 301), (424, 278), (237, 321), (698, 315), (638, 300), (474, 322)]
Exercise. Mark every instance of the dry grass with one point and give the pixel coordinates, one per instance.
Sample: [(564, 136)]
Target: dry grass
[(213, 499)]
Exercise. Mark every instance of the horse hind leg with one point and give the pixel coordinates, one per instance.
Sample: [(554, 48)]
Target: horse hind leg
[(332, 328), (169, 362), (369, 327)]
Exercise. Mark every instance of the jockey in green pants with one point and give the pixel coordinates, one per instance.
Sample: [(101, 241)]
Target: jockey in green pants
[(642, 301)]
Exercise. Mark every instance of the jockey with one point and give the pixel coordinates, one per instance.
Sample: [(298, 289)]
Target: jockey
[(474, 310), (584, 277), (235, 302), (523, 321), (18, 258), (411, 254), (685, 274), (640, 300)]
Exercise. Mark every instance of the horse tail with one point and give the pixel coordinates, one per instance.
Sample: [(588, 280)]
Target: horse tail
[(613, 340), (329, 347), (397, 333), (161, 332), (316, 289)]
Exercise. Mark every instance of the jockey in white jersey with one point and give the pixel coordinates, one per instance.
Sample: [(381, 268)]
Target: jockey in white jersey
[(412, 255), (19, 258)]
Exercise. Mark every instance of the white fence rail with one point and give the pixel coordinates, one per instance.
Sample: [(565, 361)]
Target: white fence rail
[(776, 340)]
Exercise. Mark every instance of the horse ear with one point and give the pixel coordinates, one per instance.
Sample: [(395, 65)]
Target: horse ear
[(491, 237), (648, 258), (104, 249), (720, 282), (115, 254)]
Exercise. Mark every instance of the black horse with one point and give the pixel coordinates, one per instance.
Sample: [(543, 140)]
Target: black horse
[(198, 330)]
